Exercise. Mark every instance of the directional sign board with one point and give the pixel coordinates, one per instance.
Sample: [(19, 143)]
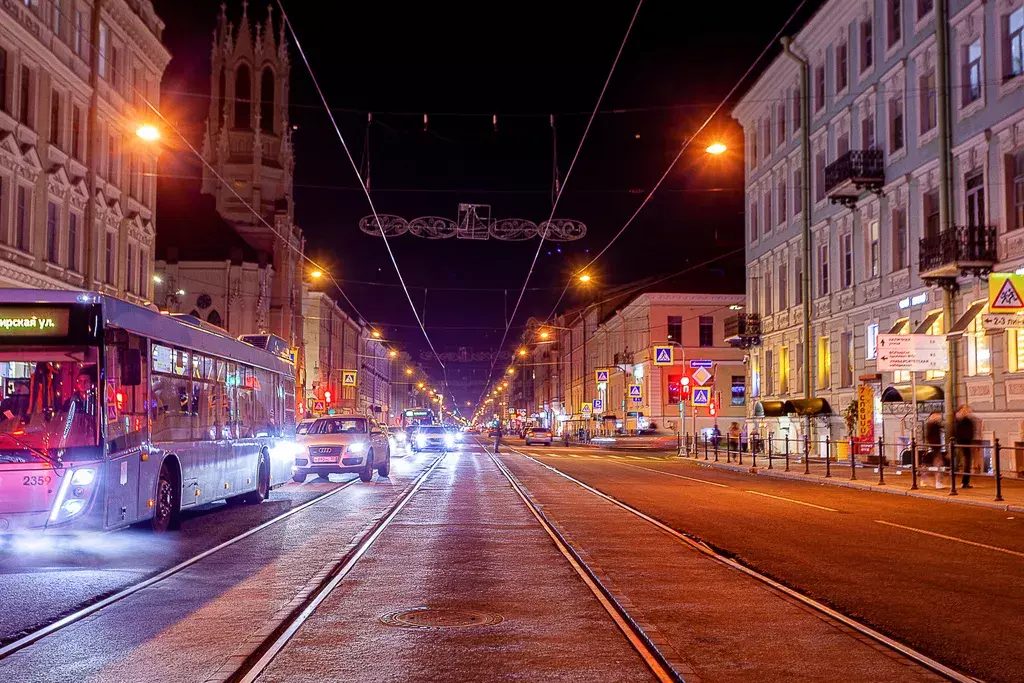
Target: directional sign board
[(663, 355), (701, 396), (601, 375), (348, 378), (636, 391), (1005, 292), (1002, 321), (598, 405), (585, 409), (702, 363), (913, 352)]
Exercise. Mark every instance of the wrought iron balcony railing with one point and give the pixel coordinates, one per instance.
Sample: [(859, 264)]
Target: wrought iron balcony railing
[(958, 251), (743, 329), (854, 173)]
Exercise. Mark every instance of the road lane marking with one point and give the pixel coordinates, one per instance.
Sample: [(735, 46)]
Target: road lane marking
[(953, 538), (790, 500), (677, 476), (573, 455), (552, 455)]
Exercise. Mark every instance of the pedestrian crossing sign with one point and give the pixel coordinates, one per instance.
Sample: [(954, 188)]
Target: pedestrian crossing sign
[(598, 405), (663, 355), (601, 376), (635, 391), (1004, 293), (701, 396), (319, 406), (348, 378), (585, 409)]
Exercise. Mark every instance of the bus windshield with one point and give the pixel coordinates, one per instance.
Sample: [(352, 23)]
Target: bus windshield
[(49, 401), (339, 425)]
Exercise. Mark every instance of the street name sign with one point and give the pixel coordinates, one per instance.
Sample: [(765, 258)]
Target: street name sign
[(701, 396), (601, 375), (912, 352), (1005, 292), (663, 355)]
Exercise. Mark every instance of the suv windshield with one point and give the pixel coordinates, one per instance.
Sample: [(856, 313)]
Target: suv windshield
[(339, 425), (431, 430), (49, 400)]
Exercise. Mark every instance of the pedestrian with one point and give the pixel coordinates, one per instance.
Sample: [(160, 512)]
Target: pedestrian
[(964, 428), (933, 438), (734, 436), (497, 438), (743, 438), (716, 436), (565, 436)]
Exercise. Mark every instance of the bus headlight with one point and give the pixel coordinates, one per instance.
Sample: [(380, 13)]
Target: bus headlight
[(83, 477), (357, 447), (73, 507), (75, 491)]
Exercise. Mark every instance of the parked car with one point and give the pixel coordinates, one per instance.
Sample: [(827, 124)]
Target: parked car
[(538, 436)]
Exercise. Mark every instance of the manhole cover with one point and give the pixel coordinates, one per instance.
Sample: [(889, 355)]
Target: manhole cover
[(438, 618)]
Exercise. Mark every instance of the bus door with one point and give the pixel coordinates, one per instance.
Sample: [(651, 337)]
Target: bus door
[(125, 391)]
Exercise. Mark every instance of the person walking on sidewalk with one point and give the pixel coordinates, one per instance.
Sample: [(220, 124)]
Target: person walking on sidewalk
[(933, 438), (964, 428), (734, 436)]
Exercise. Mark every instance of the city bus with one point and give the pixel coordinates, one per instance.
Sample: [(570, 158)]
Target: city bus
[(115, 414)]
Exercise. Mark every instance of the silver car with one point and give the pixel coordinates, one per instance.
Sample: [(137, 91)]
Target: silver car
[(538, 435), (339, 444)]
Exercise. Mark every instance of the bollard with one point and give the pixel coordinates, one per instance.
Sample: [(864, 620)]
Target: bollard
[(913, 463), (679, 446), (807, 454), (881, 463), (728, 449), (753, 454), (828, 456), (997, 470), (739, 450), (769, 450), (853, 462), (951, 448), (705, 447), (787, 452), (716, 450)]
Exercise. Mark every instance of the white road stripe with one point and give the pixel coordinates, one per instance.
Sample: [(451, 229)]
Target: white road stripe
[(953, 538), (790, 500), (677, 476)]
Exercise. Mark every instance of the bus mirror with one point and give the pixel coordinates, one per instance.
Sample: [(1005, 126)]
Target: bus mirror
[(131, 367)]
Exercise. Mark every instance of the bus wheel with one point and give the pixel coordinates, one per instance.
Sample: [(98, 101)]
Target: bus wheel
[(385, 469), (366, 474), (167, 503), (262, 491)]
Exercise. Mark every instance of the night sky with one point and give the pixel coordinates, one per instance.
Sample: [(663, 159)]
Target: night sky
[(460, 63)]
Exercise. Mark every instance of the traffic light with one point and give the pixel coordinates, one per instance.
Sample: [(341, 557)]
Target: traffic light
[(327, 397), (684, 387), (712, 411)]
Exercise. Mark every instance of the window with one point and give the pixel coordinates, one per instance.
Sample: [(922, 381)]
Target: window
[(112, 161), (798, 111), (115, 68), (823, 284), (55, 118), (798, 191), (824, 363), (896, 124), (783, 288), (739, 390), (753, 148), (871, 341), (675, 328), (929, 100), (706, 327), (767, 204), (784, 370), (143, 288), (971, 73), (130, 269), (819, 88), (3, 80), (243, 97), (753, 221), (873, 265), (867, 45), (769, 300), (930, 200), (979, 355), (1015, 350), (842, 66), (52, 243), (819, 176), (780, 121), (846, 360), (867, 130), (798, 281), (847, 274), (975, 204), (79, 29), (1018, 191), (924, 8), (109, 262), (73, 241), (55, 17), (267, 100), (104, 39), (769, 372), (899, 239), (76, 132), (895, 22), (781, 188), (766, 136), (1014, 59), (755, 375), (842, 144), (25, 97), (21, 224), (755, 300)]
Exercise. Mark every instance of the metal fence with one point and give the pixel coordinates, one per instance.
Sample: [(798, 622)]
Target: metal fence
[(843, 459)]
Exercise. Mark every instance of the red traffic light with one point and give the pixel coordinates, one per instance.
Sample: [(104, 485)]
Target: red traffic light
[(686, 381), (327, 396), (711, 409)]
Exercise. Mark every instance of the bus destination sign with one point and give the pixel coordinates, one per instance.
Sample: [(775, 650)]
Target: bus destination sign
[(39, 321)]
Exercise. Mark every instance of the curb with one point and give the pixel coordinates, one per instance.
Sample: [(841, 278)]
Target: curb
[(775, 474)]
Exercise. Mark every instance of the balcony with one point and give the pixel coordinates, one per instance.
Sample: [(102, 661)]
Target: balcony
[(743, 330), (854, 173), (961, 250)]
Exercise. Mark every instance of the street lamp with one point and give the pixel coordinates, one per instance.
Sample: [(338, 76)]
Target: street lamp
[(392, 353), (545, 334), (375, 334), (148, 132), (511, 371), (716, 148), (522, 352), (584, 278), (316, 274), (408, 371)]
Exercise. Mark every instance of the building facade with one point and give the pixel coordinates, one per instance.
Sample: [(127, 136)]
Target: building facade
[(878, 251), (77, 187), (332, 342), (375, 377)]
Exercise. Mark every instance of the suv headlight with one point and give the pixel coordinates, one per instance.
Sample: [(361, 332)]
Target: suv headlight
[(357, 447), (421, 440), (449, 440)]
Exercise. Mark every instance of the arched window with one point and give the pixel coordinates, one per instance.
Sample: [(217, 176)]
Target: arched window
[(222, 92), (267, 100), (243, 97), (214, 318), (196, 314)]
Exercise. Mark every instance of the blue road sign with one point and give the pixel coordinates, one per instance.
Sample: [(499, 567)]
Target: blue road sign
[(635, 391), (598, 405), (663, 355), (701, 396), (702, 363), (637, 399), (601, 376)]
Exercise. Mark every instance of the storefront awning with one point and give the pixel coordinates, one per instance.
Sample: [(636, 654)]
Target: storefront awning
[(769, 409), (898, 326), (610, 418), (902, 393), (808, 406), (927, 323), (972, 312)]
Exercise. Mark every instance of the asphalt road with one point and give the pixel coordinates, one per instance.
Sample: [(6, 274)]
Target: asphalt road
[(946, 580)]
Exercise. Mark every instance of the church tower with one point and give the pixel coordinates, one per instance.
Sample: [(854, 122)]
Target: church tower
[(248, 140)]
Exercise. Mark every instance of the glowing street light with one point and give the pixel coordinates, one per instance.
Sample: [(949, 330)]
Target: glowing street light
[(316, 274), (408, 371), (148, 132), (716, 148), (511, 371), (420, 385), (392, 353), (584, 278), (375, 334), (545, 334), (522, 352)]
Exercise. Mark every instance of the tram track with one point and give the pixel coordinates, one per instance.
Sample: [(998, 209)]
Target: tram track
[(22, 642), (823, 611)]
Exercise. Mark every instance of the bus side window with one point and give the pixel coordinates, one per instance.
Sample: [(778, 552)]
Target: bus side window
[(171, 403), (125, 406)]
